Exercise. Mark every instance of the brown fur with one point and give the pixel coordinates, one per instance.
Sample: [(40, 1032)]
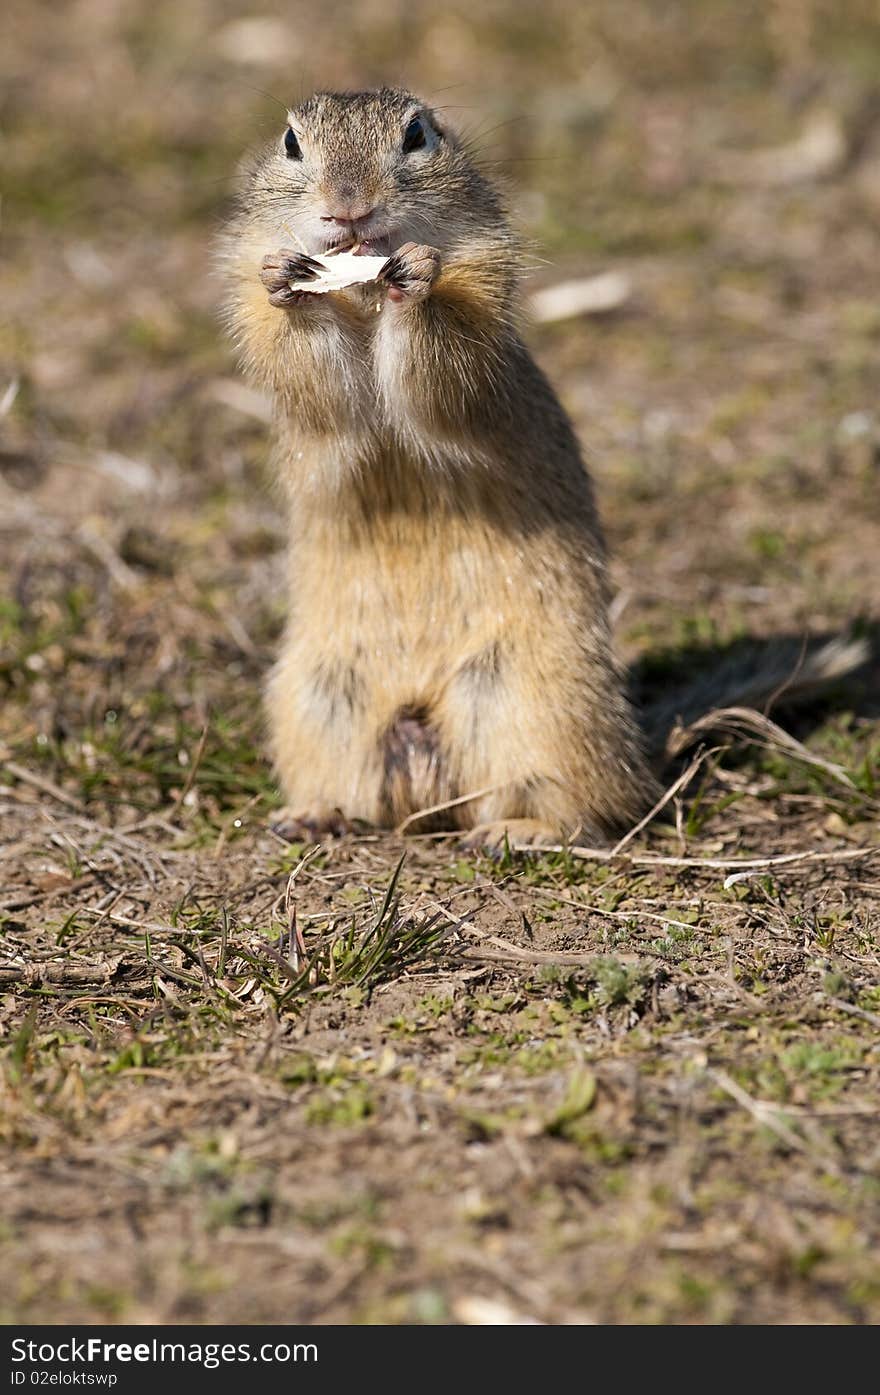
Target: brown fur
[(448, 629)]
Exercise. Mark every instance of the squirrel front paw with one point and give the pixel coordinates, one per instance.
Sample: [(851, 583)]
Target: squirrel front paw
[(280, 268), (411, 272)]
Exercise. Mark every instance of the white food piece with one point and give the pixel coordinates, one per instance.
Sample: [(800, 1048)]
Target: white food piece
[(343, 269)]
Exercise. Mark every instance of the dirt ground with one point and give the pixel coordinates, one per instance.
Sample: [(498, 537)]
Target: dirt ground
[(565, 1088)]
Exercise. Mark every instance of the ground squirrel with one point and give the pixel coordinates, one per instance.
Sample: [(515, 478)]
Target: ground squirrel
[(448, 636)]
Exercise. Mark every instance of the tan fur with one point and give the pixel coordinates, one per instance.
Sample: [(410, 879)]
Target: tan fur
[(447, 629)]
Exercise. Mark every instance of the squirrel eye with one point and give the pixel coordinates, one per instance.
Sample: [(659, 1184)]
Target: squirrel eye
[(414, 138), (291, 145)]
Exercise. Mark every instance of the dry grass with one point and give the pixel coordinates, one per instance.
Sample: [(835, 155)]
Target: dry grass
[(382, 1081)]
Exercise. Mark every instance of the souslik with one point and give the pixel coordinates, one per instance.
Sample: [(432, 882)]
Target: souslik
[(448, 632)]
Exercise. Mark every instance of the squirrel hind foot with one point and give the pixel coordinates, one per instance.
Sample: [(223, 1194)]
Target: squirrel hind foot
[(309, 828), (514, 834)]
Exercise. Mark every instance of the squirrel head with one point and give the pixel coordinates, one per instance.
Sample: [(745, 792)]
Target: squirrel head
[(373, 168)]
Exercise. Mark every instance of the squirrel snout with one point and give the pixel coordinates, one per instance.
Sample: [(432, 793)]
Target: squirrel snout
[(345, 204), (347, 219)]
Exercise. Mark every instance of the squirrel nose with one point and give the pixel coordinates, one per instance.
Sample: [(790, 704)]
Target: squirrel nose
[(354, 214)]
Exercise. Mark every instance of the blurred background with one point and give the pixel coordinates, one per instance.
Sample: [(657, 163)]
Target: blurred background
[(722, 159)]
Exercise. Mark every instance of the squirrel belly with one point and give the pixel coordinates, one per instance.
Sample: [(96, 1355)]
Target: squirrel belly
[(447, 640), (447, 636)]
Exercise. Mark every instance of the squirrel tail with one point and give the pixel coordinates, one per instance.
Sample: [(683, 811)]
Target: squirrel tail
[(741, 686)]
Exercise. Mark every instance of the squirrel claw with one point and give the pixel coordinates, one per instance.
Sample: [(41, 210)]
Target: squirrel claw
[(514, 835), (411, 271), (309, 827), (279, 268)]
